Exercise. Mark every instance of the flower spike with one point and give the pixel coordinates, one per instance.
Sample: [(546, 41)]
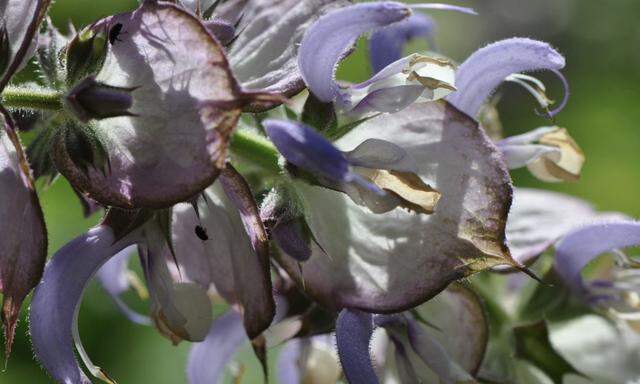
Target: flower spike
[(486, 68)]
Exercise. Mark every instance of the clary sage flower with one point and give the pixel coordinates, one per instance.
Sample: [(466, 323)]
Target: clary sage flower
[(344, 217)]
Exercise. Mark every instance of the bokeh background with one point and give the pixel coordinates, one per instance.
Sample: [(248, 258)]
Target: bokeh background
[(601, 41)]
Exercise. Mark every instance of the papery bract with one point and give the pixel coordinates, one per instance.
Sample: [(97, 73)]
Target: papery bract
[(185, 105), (394, 260), (238, 271), (23, 244)]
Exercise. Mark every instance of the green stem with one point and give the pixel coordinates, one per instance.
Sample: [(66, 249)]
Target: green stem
[(31, 98), (255, 149)]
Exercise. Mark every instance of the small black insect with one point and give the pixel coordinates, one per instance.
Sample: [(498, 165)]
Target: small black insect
[(202, 233), (115, 32)]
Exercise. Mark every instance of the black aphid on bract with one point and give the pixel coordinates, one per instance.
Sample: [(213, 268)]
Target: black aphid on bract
[(115, 32), (201, 232)]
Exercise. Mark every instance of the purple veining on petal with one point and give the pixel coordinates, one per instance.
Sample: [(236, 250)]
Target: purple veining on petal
[(486, 68), (386, 45), (319, 56), (354, 330), (288, 365), (56, 300), (113, 277), (578, 248), (208, 359)]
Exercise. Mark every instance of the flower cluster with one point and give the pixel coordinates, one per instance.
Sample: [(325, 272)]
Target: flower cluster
[(228, 157)]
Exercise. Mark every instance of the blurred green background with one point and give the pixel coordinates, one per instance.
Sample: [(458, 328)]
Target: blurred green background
[(601, 42)]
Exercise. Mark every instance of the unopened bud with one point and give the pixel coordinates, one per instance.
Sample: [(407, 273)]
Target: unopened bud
[(94, 100)]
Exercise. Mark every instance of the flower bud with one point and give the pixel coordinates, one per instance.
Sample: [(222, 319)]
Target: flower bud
[(86, 54), (94, 100)]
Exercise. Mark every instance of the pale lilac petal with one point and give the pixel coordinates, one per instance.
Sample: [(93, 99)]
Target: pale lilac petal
[(354, 330), (113, 277), (253, 275), (23, 242), (21, 20), (487, 68), (185, 105), (578, 248), (56, 301), (395, 260), (389, 99), (208, 360), (289, 362), (386, 45), (518, 156), (319, 56), (265, 54)]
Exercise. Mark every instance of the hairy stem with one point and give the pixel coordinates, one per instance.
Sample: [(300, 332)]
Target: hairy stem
[(31, 98)]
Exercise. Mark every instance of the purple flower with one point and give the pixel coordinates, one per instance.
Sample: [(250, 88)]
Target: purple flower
[(393, 88), (488, 67), (539, 218), (617, 295)]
